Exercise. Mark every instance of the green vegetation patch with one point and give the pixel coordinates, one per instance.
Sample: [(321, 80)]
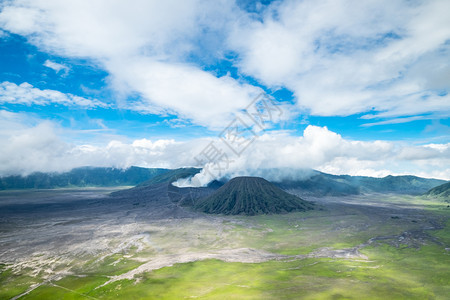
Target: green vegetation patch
[(417, 267), (390, 272), (112, 265), (14, 284)]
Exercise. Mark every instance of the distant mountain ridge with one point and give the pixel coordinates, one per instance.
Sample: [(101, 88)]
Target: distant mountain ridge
[(315, 184), (81, 177), (322, 184), (407, 184)]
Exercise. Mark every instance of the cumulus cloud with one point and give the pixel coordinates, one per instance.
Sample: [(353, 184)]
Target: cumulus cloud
[(345, 57), (40, 146), (385, 58), (26, 94), (31, 149), (184, 90), (146, 47), (277, 156), (31, 145)]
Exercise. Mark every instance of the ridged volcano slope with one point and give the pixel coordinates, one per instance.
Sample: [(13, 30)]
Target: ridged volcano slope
[(442, 191), (251, 196)]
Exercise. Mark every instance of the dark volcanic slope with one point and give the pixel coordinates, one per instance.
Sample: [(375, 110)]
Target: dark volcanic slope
[(158, 198), (165, 179), (171, 176), (251, 196), (442, 191)]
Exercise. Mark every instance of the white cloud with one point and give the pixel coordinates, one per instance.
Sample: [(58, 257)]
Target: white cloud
[(338, 57), (393, 121), (184, 90), (107, 29), (345, 57), (56, 67), (31, 149), (144, 46), (26, 94), (30, 145), (14, 121), (278, 156), (40, 146)]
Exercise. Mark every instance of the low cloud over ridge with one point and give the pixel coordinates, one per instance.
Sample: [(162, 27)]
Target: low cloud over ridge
[(41, 147)]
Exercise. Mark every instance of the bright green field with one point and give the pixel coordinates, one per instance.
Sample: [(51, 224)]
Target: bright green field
[(411, 260), (391, 274)]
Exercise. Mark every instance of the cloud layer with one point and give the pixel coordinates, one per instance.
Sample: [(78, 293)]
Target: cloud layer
[(382, 58), (345, 57), (40, 146), (145, 46)]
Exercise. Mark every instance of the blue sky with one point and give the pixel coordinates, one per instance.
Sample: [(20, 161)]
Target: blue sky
[(138, 83)]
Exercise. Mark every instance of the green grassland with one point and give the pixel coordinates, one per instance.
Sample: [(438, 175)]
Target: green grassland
[(408, 258), (391, 273)]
